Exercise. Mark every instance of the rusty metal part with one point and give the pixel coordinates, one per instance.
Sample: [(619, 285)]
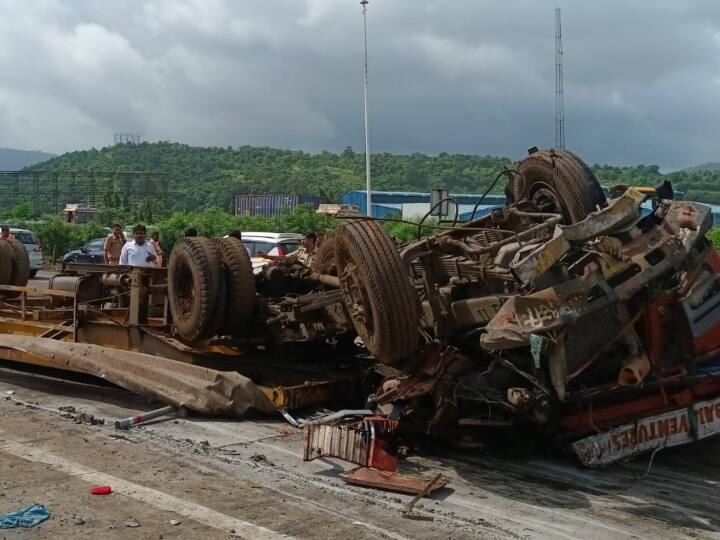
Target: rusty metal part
[(475, 311), (116, 279), (175, 383), (394, 481), (308, 394), (326, 279), (423, 492), (542, 258), (647, 257), (651, 433), (618, 215), (85, 288), (366, 443)]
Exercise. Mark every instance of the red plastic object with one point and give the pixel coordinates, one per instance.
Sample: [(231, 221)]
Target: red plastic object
[(101, 490)]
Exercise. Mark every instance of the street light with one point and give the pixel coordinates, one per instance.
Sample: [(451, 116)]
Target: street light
[(364, 4)]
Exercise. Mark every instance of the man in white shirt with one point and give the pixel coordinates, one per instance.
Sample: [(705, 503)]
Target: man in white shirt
[(138, 252)]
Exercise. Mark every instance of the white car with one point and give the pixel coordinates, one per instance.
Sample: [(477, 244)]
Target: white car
[(270, 244), (33, 247)]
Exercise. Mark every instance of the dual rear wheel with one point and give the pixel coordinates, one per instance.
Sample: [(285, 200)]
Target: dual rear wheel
[(14, 265), (211, 287)]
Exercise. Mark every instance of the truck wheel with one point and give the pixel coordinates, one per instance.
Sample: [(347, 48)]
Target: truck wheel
[(324, 260), (324, 263), (6, 263), (20, 265), (240, 283), (196, 288), (379, 298), (558, 182)]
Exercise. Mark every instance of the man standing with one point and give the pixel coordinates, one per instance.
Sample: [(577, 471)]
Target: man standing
[(138, 252), (304, 255), (155, 243), (114, 244), (5, 233)]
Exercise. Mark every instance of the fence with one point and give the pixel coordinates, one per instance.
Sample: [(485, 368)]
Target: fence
[(50, 191)]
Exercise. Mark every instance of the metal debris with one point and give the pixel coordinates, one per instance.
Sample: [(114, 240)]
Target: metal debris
[(368, 443), (414, 484)]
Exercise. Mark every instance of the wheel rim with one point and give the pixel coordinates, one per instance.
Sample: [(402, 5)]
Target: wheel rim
[(184, 290), (357, 302)]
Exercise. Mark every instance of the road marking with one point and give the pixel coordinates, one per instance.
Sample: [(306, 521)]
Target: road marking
[(153, 497)]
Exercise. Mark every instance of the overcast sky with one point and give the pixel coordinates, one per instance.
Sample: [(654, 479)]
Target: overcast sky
[(642, 78)]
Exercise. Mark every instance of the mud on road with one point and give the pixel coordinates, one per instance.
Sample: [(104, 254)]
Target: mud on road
[(222, 479)]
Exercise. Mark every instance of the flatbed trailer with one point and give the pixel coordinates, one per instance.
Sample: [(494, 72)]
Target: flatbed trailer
[(67, 313)]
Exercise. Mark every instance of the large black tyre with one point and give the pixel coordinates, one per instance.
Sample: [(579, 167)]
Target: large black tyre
[(324, 263), (6, 263), (379, 298), (324, 260), (240, 285), (557, 181), (20, 265), (196, 288)]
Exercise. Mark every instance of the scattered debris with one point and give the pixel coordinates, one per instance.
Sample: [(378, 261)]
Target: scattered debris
[(175, 522), (394, 481), (26, 518), (368, 443), (89, 419), (261, 459), (427, 488), (132, 524), (144, 417), (9, 392)]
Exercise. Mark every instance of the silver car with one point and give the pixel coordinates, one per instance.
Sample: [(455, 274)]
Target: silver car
[(33, 247)]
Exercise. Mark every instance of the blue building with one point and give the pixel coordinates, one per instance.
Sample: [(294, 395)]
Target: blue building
[(388, 204)]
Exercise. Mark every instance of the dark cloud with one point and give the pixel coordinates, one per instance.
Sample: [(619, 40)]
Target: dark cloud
[(642, 78)]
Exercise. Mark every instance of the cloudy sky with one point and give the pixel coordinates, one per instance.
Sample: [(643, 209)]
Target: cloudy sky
[(642, 78)]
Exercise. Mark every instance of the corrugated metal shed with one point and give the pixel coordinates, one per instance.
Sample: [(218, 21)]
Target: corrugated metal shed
[(383, 211), (359, 198), (272, 204), (392, 202)]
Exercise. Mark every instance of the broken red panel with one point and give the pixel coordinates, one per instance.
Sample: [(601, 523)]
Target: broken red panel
[(601, 417), (367, 443), (392, 481)]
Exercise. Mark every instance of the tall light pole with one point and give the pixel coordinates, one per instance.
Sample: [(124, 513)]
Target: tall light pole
[(364, 4)]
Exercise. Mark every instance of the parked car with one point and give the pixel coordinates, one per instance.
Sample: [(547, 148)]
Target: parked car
[(270, 244), (33, 247), (92, 252)]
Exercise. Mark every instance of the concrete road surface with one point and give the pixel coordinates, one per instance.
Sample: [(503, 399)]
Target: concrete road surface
[(219, 478)]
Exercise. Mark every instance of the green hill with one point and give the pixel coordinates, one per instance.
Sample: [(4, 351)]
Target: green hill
[(204, 177), (713, 166)]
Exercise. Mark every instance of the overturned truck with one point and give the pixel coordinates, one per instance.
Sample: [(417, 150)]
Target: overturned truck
[(578, 316), (581, 316), (565, 311)]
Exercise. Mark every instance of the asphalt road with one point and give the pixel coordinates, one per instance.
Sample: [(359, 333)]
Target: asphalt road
[(200, 477), (218, 475)]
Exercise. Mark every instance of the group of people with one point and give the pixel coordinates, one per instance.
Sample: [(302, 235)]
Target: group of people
[(137, 252)]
